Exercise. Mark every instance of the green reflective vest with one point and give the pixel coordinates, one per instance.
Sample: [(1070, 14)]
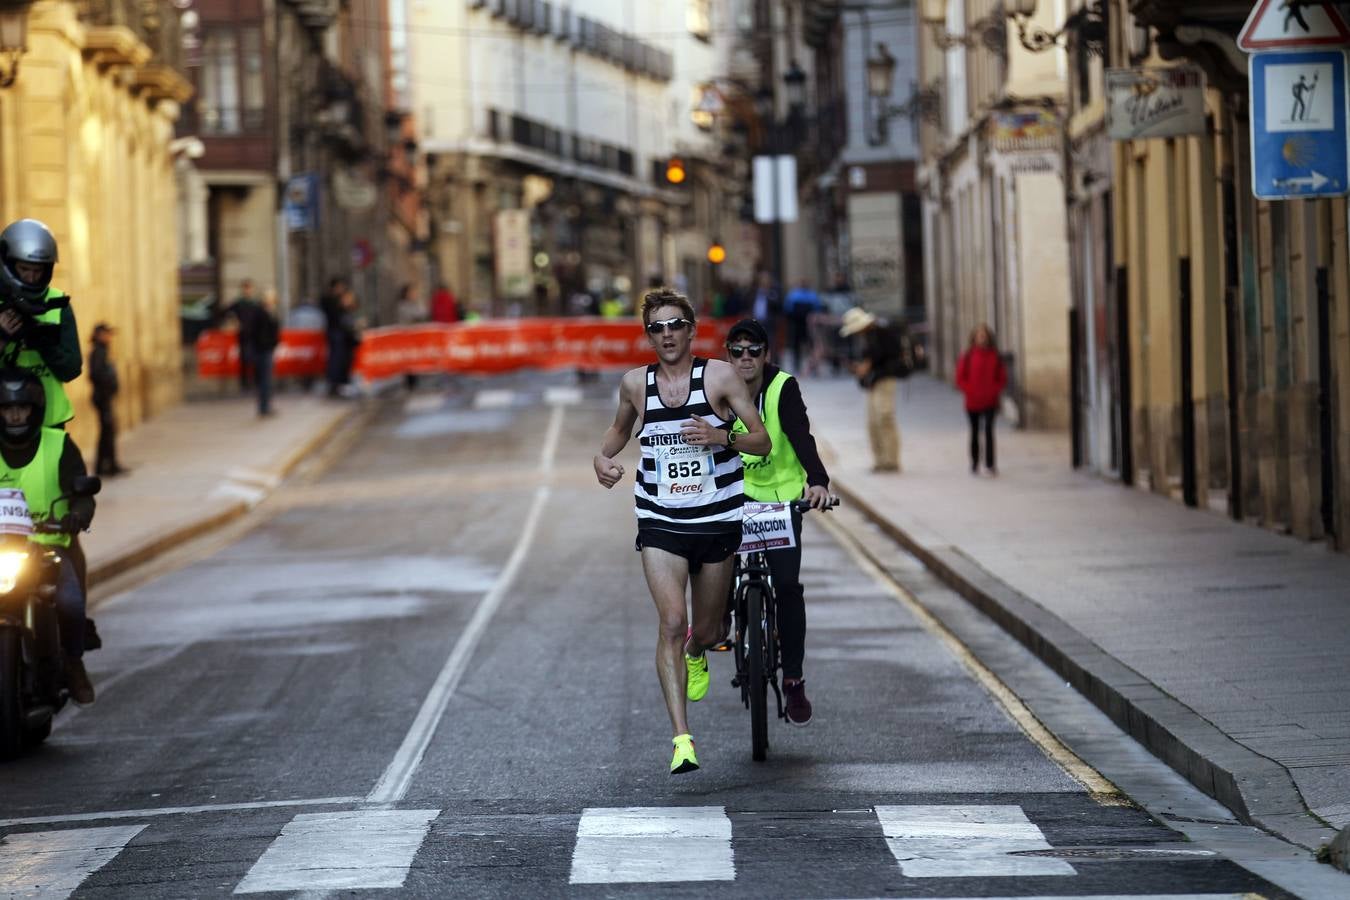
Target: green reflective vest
[(59, 410), (40, 482), (778, 476)]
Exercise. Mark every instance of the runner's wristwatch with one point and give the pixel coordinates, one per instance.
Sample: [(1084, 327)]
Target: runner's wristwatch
[(731, 438)]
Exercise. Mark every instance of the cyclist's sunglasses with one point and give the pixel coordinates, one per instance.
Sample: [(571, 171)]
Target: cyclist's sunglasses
[(673, 325), (755, 351)]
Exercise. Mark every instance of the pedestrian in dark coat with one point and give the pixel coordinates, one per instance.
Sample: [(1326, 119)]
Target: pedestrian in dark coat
[(264, 338), (981, 377), (244, 310), (103, 377)]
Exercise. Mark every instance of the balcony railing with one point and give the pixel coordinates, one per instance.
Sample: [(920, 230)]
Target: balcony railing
[(156, 23)]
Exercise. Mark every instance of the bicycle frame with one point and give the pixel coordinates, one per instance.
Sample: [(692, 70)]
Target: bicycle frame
[(752, 569)]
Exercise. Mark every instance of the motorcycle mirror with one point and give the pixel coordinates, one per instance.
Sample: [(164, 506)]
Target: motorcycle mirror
[(86, 485)]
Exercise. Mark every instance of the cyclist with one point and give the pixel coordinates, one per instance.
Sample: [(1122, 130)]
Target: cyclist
[(44, 463), (791, 471), (37, 334), (688, 494)]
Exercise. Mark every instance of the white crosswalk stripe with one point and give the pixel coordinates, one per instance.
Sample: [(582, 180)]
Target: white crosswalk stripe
[(966, 842), (650, 844), (50, 865), (341, 851)]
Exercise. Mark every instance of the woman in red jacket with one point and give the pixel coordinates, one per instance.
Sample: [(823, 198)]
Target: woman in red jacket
[(981, 377)]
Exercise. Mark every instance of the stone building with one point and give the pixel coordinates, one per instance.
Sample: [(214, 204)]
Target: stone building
[(86, 145)]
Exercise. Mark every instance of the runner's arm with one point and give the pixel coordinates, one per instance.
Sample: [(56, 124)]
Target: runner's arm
[(729, 390), (607, 471)]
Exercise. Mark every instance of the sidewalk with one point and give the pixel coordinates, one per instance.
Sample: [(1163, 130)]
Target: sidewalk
[(1219, 646), (196, 467)]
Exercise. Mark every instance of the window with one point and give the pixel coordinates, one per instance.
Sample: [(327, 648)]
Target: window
[(698, 18), (232, 96)]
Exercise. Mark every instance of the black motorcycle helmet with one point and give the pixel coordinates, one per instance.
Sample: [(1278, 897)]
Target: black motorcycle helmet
[(21, 389), (26, 241)]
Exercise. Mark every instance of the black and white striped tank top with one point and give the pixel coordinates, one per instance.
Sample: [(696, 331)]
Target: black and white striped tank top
[(684, 487)]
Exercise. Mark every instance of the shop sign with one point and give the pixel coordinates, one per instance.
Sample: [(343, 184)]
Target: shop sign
[(1155, 102)]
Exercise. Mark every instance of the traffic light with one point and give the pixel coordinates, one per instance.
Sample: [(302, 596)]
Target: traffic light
[(717, 254), (675, 173)]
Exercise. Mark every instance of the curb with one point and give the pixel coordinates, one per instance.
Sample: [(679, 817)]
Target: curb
[(161, 543), (1258, 790)]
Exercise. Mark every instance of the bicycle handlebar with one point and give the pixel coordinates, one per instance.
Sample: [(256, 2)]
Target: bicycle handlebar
[(805, 505)]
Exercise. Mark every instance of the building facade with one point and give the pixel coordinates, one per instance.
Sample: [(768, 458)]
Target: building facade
[(548, 128), (1214, 325), (305, 167), (87, 146), (992, 181)]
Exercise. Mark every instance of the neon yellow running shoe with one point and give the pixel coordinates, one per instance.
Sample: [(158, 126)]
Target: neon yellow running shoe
[(684, 760), (697, 678)]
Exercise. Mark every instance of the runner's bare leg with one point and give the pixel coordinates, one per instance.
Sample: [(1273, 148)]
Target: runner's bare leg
[(711, 585), (667, 576)]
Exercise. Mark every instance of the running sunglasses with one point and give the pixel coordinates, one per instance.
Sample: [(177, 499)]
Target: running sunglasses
[(755, 351), (674, 325)]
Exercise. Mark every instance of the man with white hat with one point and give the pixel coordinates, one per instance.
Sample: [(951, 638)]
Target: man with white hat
[(879, 365)]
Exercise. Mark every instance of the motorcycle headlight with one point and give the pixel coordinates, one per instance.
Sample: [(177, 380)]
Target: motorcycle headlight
[(11, 565)]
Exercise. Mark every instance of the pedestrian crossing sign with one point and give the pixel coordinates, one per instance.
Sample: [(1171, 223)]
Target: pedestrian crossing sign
[(1287, 24), (1299, 113)]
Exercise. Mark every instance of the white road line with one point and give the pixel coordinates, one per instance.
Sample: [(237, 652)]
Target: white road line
[(966, 842), (109, 815), (653, 843), (562, 395), (494, 399), (50, 865), (423, 403), (397, 778), (337, 851)]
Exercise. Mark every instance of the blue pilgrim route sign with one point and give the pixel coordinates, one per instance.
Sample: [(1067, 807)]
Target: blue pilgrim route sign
[(1300, 142)]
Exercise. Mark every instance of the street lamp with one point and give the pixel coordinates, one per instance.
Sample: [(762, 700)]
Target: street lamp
[(922, 103), (13, 37), (1088, 22), (991, 31)]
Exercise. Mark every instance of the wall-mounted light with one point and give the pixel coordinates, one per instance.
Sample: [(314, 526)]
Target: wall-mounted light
[(13, 38), (1087, 24), (990, 31), (922, 103)]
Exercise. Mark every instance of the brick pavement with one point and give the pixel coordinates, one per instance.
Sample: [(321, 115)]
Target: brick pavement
[(1222, 646)]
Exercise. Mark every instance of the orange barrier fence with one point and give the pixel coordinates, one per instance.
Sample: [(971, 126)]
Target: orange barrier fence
[(474, 348)]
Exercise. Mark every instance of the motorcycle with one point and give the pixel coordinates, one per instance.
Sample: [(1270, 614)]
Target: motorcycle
[(32, 665)]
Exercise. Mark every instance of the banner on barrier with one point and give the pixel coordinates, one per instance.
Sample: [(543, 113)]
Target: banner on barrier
[(471, 348)]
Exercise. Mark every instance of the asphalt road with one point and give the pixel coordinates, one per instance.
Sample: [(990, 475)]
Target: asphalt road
[(429, 672)]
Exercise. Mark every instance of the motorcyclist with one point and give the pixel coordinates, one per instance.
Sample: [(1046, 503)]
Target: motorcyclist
[(44, 463), (37, 326)]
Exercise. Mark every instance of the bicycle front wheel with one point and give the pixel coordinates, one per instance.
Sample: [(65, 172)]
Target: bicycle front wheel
[(757, 674)]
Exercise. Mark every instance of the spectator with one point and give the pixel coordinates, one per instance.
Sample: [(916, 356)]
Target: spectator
[(409, 308), (103, 378), (802, 303), (444, 307), (837, 301), (981, 377), (879, 365), (344, 336), (265, 336), (244, 311), (766, 303)]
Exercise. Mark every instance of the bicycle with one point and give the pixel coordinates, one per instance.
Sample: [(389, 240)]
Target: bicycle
[(754, 613)]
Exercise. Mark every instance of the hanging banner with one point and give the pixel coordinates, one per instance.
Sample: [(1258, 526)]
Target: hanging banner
[(471, 348)]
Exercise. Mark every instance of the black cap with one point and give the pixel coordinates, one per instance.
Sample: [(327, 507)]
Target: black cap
[(751, 329), (103, 328)]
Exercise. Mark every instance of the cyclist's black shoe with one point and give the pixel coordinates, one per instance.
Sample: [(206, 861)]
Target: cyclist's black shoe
[(796, 708)]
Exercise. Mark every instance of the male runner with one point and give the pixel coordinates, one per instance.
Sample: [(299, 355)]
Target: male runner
[(688, 494), (791, 471)]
